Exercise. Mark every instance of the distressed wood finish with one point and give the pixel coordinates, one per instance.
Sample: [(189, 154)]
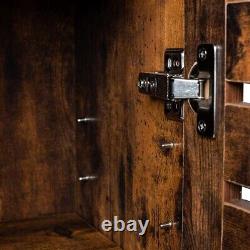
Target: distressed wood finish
[(66, 232), (237, 143), (37, 131), (43, 223), (232, 191), (203, 173), (236, 162), (236, 226), (238, 42), (136, 180), (234, 92)]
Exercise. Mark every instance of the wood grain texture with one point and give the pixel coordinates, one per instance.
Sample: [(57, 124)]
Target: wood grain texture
[(232, 191), (236, 226), (234, 92), (236, 1), (45, 222), (238, 42), (136, 180), (65, 232), (237, 143), (203, 161), (37, 129)]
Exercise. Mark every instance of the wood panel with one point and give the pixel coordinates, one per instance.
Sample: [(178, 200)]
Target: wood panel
[(136, 180), (232, 191), (203, 174), (236, 163), (238, 42), (237, 143), (37, 131), (43, 223), (64, 232), (236, 226), (234, 92)]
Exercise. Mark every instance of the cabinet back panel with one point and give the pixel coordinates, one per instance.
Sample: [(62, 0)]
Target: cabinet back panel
[(37, 129)]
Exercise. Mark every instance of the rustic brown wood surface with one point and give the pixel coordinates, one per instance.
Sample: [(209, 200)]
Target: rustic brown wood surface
[(42, 223), (203, 164), (65, 232), (238, 42), (236, 226), (136, 180), (236, 163), (236, 1), (37, 111), (237, 143), (233, 92), (232, 191)]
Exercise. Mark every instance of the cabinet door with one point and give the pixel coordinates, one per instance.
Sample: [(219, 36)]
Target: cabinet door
[(214, 214)]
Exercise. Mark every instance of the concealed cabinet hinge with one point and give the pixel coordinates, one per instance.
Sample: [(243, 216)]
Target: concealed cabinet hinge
[(200, 89)]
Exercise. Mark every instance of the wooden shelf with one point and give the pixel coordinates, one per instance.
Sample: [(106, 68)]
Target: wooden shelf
[(241, 105), (236, 225), (64, 232), (236, 1)]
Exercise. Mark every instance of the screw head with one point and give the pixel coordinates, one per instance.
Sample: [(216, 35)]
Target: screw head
[(168, 106), (202, 126), (202, 54), (152, 86), (141, 84)]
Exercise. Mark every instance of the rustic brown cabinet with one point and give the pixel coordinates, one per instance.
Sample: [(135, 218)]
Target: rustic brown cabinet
[(79, 144)]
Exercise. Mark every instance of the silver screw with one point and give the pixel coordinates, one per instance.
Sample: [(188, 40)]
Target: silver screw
[(202, 54), (202, 126), (87, 178), (166, 146), (168, 106), (139, 84), (87, 119), (168, 225)]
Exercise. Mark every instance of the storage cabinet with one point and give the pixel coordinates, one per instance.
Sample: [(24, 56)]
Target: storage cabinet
[(79, 144)]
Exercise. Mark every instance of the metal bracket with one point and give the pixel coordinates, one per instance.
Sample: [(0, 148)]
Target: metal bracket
[(159, 85), (209, 69), (200, 89)]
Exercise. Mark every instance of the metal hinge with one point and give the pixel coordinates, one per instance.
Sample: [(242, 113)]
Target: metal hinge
[(200, 89), (169, 88)]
